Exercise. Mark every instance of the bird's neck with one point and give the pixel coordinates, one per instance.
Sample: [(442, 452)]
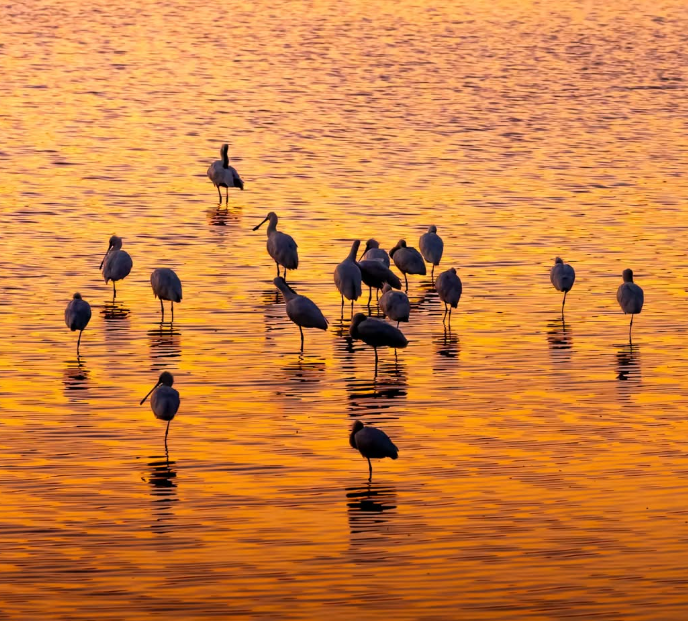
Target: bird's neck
[(352, 253), (225, 160)]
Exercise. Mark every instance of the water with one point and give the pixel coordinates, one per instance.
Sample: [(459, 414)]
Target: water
[(542, 464)]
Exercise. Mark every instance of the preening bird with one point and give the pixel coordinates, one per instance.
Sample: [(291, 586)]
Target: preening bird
[(373, 251), (223, 175), (77, 316), (371, 443), (630, 297), (300, 309), (408, 260), (166, 286), (116, 263), (376, 333), (395, 304), (347, 277), (281, 247), (431, 247), (165, 400), (375, 274), (562, 276), (449, 289)]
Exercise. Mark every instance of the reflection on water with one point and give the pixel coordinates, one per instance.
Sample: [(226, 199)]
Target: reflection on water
[(628, 363), (165, 345), (224, 216), (380, 392), (560, 340), (370, 509), (447, 343), (75, 379), (162, 479)]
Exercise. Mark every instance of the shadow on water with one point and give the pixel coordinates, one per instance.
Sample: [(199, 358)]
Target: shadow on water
[(378, 392), (370, 508), (165, 345), (559, 339), (75, 379), (628, 364), (162, 479)]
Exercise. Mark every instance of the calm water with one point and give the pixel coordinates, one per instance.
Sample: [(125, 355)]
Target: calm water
[(543, 465)]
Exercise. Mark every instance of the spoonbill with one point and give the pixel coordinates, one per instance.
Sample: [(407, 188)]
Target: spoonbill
[(431, 247), (407, 260), (449, 290), (300, 309), (371, 442), (281, 247), (166, 286), (77, 316), (373, 251), (374, 274), (223, 175), (630, 297), (376, 333), (116, 263), (395, 304), (165, 400), (347, 277), (562, 276)]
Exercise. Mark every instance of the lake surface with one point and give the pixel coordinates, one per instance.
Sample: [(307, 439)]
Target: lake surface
[(543, 464)]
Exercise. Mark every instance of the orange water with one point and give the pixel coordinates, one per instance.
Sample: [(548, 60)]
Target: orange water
[(542, 466)]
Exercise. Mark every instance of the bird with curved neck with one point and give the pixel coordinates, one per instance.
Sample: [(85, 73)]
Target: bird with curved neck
[(394, 304), (408, 260), (376, 333), (630, 298), (300, 309), (347, 277), (373, 251), (165, 400), (371, 443), (281, 247), (223, 175), (431, 247), (116, 263), (449, 289), (77, 315)]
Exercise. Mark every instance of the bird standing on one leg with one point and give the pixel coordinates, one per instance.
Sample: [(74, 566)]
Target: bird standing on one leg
[(630, 297), (77, 316), (165, 400), (562, 276), (371, 443), (116, 263)]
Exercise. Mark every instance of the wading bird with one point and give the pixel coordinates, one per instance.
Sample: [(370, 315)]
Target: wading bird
[(395, 304), (630, 297), (347, 277), (166, 286), (376, 333), (300, 309), (116, 263), (449, 290), (77, 316), (223, 175), (373, 251), (371, 443), (408, 260), (281, 247), (431, 247), (165, 400), (562, 276), (374, 275)]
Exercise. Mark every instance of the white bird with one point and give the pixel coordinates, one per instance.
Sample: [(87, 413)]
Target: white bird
[(407, 260), (395, 304), (371, 443), (562, 276), (223, 175), (116, 263), (77, 316), (347, 277), (166, 286), (630, 297), (281, 247), (449, 289), (375, 274), (373, 251), (165, 400), (300, 309), (431, 247), (376, 333)]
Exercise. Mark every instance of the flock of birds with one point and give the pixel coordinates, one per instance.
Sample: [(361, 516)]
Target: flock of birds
[(372, 269)]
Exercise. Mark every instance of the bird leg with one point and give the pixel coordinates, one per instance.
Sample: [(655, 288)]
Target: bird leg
[(162, 310), (301, 330), (227, 198), (630, 328), (397, 329), (370, 296), (172, 309), (342, 303), (167, 430), (406, 281), (370, 470), (444, 317), (78, 343), (114, 291), (449, 320), (432, 273), (352, 308), (278, 274), (377, 295), (219, 193)]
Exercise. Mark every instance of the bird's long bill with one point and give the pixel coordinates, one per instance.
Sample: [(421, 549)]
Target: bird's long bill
[(255, 228), (103, 261), (149, 392)]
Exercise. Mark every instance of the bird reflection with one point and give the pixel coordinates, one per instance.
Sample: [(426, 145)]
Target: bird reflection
[(627, 363), (380, 393), (426, 302), (114, 311), (303, 376), (559, 339), (447, 344), (163, 489), (75, 379), (224, 216), (165, 344), (370, 508)]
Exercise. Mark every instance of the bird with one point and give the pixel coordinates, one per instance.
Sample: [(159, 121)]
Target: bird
[(395, 304), (373, 251), (371, 442), (166, 286), (165, 400), (116, 263), (431, 247), (449, 289), (347, 277), (300, 309), (562, 276), (281, 247), (77, 316), (407, 260), (375, 274), (376, 333), (630, 297), (223, 175)]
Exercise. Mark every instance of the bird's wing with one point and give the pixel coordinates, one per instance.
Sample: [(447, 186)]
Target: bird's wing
[(375, 443), (304, 312)]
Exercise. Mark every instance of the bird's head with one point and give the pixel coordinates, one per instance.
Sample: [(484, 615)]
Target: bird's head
[(432, 229), (558, 260), (115, 243), (372, 243), (165, 379), (76, 296), (358, 318), (627, 275), (452, 270), (386, 288), (356, 427), (282, 285)]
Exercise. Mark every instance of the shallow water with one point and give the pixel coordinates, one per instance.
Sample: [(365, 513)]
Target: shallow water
[(542, 463)]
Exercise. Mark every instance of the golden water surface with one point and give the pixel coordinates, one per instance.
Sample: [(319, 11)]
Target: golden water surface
[(543, 465)]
